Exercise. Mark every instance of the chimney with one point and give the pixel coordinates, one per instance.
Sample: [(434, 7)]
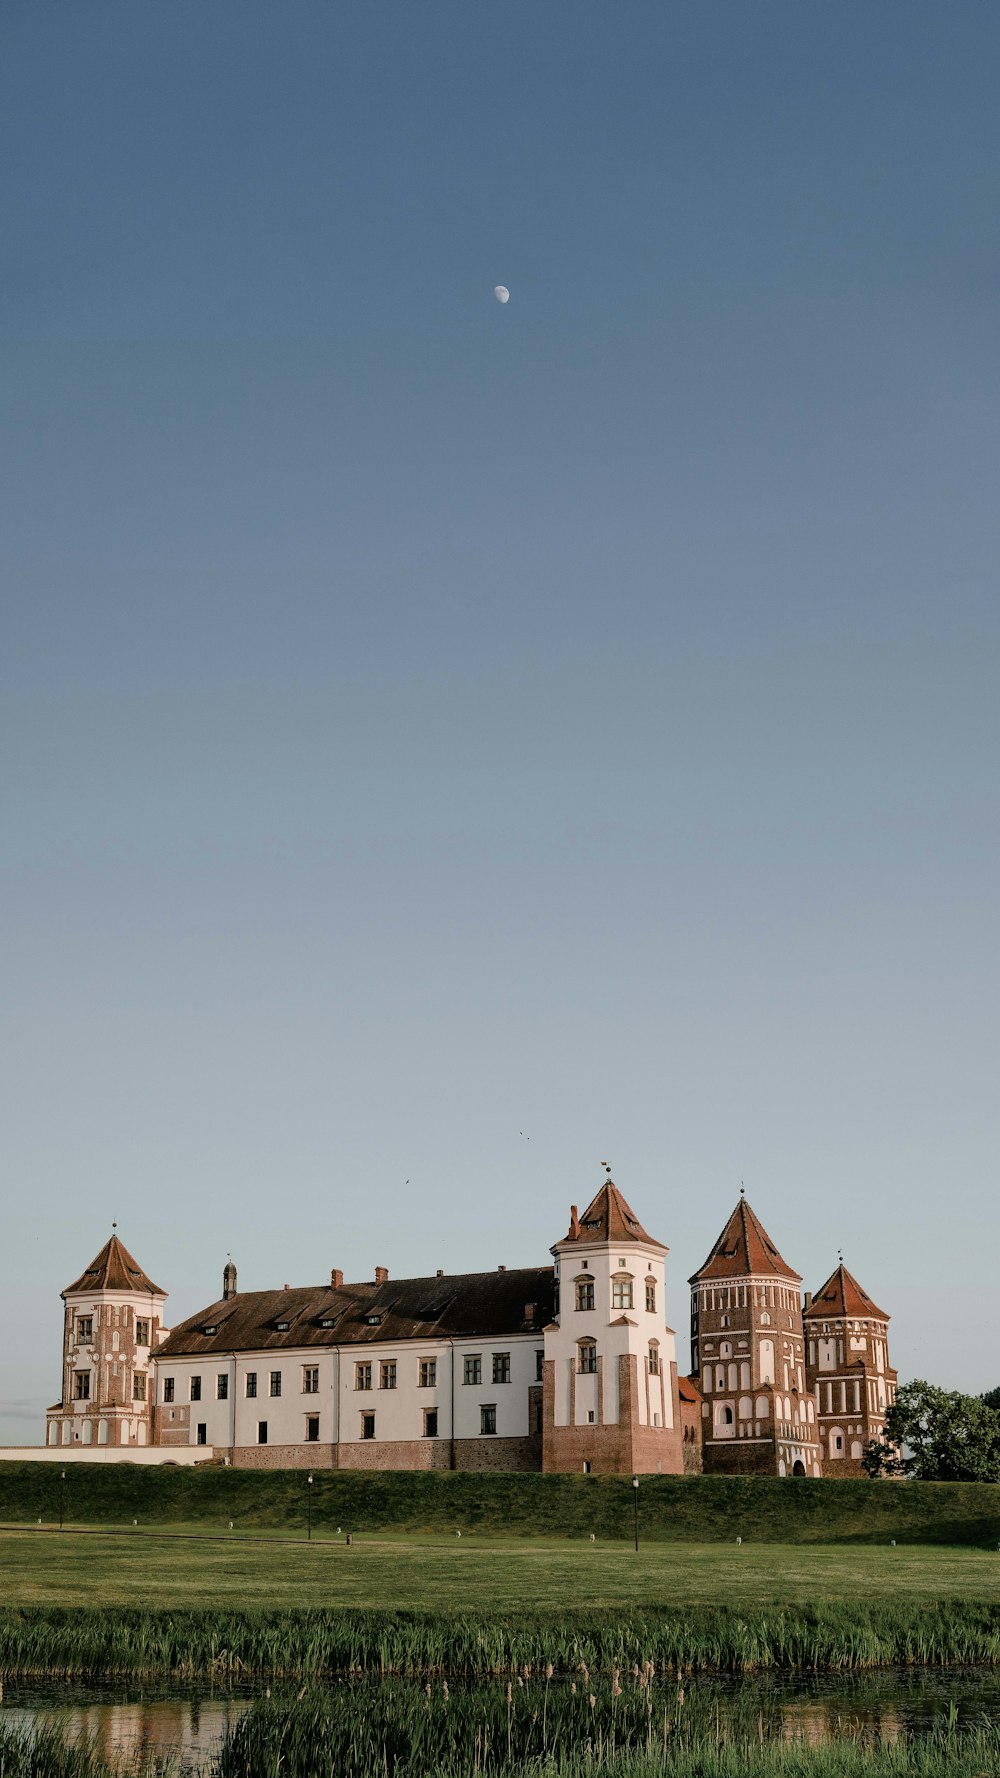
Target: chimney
[(228, 1281), (574, 1223), (529, 1311), (501, 1268), (381, 1275), (440, 1272), (807, 1298), (336, 1279)]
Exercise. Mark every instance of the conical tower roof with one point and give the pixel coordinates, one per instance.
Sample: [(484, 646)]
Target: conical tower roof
[(745, 1249), (842, 1295), (608, 1217), (114, 1269)]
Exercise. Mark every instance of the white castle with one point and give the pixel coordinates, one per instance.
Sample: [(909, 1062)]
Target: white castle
[(566, 1366)]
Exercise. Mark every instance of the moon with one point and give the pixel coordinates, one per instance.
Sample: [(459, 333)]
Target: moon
[(501, 293)]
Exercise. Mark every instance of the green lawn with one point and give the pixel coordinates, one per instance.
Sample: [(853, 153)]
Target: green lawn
[(674, 1509), (474, 1573)]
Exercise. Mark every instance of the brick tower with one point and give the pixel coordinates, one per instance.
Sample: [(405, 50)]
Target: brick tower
[(748, 1356), (113, 1319), (848, 1370), (610, 1400)]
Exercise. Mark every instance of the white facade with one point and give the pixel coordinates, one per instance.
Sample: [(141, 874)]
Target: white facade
[(611, 1305), (396, 1392)]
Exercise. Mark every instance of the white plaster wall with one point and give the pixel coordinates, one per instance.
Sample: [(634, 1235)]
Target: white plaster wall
[(615, 1331), (339, 1404)]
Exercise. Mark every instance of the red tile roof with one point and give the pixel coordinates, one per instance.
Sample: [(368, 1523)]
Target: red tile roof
[(842, 1295), (114, 1269), (745, 1249), (608, 1218), (499, 1304), (688, 1391)]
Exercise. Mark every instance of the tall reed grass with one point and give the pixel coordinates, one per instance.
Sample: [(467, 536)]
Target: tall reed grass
[(312, 1645)]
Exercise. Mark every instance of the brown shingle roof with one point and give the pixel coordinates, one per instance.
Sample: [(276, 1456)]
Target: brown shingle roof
[(842, 1295), (471, 1303), (608, 1217), (114, 1269), (745, 1249)]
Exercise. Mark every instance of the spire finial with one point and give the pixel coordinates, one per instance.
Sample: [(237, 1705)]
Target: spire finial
[(607, 1167), (743, 1189), (114, 1225), (840, 1256)]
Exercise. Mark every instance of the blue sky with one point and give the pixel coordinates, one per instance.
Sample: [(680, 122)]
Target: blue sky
[(430, 725)]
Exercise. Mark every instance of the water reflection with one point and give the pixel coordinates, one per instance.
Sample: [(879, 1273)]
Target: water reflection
[(126, 1722)]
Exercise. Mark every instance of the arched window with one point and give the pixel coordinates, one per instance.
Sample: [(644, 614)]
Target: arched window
[(744, 1374), (584, 1293), (836, 1442), (745, 1408), (856, 1450), (720, 1376), (763, 1407), (726, 1349), (621, 1293), (654, 1359), (588, 1357)]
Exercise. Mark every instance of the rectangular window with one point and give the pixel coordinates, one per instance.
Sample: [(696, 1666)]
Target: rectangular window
[(195, 1387), (251, 1385), (275, 1382), (585, 1294), (488, 1420), (142, 1333), (139, 1386), (473, 1372), (222, 1386), (654, 1361), (368, 1425), (310, 1379), (501, 1367), (590, 1416), (81, 1386), (262, 1432), (312, 1429), (588, 1359), (387, 1374), (363, 1378), (428, 1373), (430, 1422), (621, 1293), (84, 1330), (650, 1298), (539, 1367), (202, 1433), (539, 1422), (168, 1388)]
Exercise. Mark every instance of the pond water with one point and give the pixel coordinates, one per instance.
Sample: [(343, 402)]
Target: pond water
[(190, 1722)]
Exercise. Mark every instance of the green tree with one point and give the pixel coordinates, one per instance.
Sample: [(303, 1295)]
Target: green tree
[(937, 1435), (992, 1400)]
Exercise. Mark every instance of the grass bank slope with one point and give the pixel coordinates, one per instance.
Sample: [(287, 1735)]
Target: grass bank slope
[(694, 1509)]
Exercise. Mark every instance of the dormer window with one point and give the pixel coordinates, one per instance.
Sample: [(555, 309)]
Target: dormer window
[(282, 1326), (594, 1223), (210, 1328), (373, 1320), (327, 1321)]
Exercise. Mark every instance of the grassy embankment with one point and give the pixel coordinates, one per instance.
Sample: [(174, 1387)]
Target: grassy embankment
[(693, 1509)]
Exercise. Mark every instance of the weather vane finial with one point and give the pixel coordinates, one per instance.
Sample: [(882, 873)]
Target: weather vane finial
[(743, 1189), (114, 1225), (607, 1167)]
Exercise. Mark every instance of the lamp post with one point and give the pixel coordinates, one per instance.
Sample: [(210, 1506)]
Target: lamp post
[(635, 1511), (62, 1491), (309, 1507)]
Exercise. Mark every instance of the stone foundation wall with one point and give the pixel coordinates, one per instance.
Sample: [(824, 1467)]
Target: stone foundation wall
[(739, 1457), (421, 1453)]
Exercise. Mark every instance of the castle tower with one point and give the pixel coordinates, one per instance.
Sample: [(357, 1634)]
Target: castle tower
[(610, 1400), (748, 1357), (848, 1370), (113, 1320)]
